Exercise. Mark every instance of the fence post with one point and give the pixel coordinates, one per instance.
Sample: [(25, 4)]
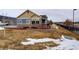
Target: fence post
[(4, 33)]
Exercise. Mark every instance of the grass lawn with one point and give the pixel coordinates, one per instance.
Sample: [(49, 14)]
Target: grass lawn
[(13, 37)]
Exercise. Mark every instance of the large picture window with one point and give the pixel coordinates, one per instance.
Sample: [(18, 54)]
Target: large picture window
[(19, 21), (37, 22), (33, 22), (23, 21)]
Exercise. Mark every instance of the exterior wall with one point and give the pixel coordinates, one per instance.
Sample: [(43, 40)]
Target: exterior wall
[(9, 21), (36, 19)]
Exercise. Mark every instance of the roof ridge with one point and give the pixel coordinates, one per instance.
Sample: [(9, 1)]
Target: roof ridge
[(26, 11)]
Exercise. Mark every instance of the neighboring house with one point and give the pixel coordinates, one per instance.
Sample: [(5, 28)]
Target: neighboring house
[(8, 20), (2, 24), (32, 19)]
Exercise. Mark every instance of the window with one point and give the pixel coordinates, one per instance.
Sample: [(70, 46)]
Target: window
[(37, 22), (19, 21), (23, 20), (43, 20), (33, 22)]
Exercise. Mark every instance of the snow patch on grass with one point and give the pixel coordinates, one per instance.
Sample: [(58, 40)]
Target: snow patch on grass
[(33, 41), (1, 28), (65, 43)]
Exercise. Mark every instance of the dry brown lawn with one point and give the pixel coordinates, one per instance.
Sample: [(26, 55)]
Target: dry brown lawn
[(36, 46), (15, 34), (13, 38), (68, 33)]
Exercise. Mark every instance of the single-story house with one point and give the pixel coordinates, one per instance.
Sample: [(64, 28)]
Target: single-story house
[(26, 19), (31, 19)]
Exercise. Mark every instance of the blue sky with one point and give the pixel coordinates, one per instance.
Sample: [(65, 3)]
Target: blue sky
[(56, 15)]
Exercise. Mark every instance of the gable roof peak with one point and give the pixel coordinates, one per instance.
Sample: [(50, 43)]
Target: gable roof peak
[(28, 12)]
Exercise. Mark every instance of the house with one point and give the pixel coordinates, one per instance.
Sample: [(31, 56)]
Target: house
[(31, 19), (8, 20)]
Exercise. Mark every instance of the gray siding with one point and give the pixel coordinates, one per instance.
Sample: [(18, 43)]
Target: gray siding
[(8, 20)]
